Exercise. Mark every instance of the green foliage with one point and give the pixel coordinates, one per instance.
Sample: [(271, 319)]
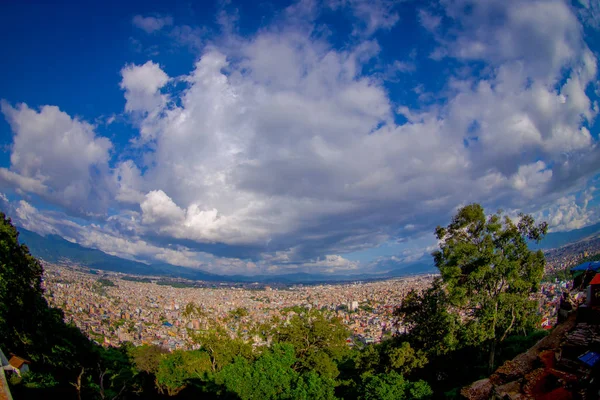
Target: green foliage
[(515, 345), (482, 298), (239, 312), (593, 257), (404, 358), (105, 282), (393, 386), (389, 356), (176, 369), (319, 341), (116, 372), (147, 358), (366, 308), (311, 386), (220, 346), (368, 360), (25, 317), (271, 376), (561, 275), (38, 380), (20, 291), (432, 326), (488, 273), (136, 279), (177, 285)]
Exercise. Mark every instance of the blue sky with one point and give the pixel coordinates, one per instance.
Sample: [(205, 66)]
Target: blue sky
[(319, 136)]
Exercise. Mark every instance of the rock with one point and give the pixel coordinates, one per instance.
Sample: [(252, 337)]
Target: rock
[(478, 390), (510, 390)]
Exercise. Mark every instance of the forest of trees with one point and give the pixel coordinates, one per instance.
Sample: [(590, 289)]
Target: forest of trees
[(477, 314)]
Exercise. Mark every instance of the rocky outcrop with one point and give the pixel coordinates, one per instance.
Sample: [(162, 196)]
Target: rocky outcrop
[(548, 370)]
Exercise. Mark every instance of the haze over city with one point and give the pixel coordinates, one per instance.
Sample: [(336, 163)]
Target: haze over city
[(312, 136)]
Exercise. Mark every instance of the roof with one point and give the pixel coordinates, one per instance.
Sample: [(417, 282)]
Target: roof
[(589, 357), (593, 265), (596, 280), (18, 362)]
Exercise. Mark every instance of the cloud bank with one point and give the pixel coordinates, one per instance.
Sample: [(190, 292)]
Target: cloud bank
[(285, 152)]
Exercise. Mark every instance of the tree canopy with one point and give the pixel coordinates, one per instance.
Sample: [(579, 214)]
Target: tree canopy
[(487, 274)]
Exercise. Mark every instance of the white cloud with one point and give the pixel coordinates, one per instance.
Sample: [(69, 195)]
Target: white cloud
[(331, 263), (151, 24), (530, 179), (129, 181), (590, 13), (371, 16), (158, 208), (286, 148), (58, 157), (104, 239), (499, 31), (142, 84), (293, 132), (571, 212)]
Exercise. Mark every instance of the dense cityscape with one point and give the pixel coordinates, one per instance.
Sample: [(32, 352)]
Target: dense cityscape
[(113, 308), (151, 313)]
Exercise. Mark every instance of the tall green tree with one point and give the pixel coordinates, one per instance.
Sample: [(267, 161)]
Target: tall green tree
[(488, 273), (272, 376), (432, 325), (29, 327), (319, 341), (178, 368), (392, 386), (20, 291)]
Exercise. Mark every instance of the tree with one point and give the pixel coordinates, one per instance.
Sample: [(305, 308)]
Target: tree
[(176, 369), (146, 358), (26, 318), (271, 376), (319, 341), (432, 326), (20, 291), (390, 355), (488, 273), (404, 358), (217, 340), (114, 375), (393, 386)]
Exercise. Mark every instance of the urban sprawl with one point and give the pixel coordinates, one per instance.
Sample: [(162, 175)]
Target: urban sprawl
[(113, 308)]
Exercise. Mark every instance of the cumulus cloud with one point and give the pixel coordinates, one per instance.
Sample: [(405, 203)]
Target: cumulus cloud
[(295, 130), (571, 212), (142, 84), (495, 31), (151, 24), (287, 148), (58, 157)]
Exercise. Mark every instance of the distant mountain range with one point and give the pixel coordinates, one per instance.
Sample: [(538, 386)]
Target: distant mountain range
[(558, 239), (55, 249)]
